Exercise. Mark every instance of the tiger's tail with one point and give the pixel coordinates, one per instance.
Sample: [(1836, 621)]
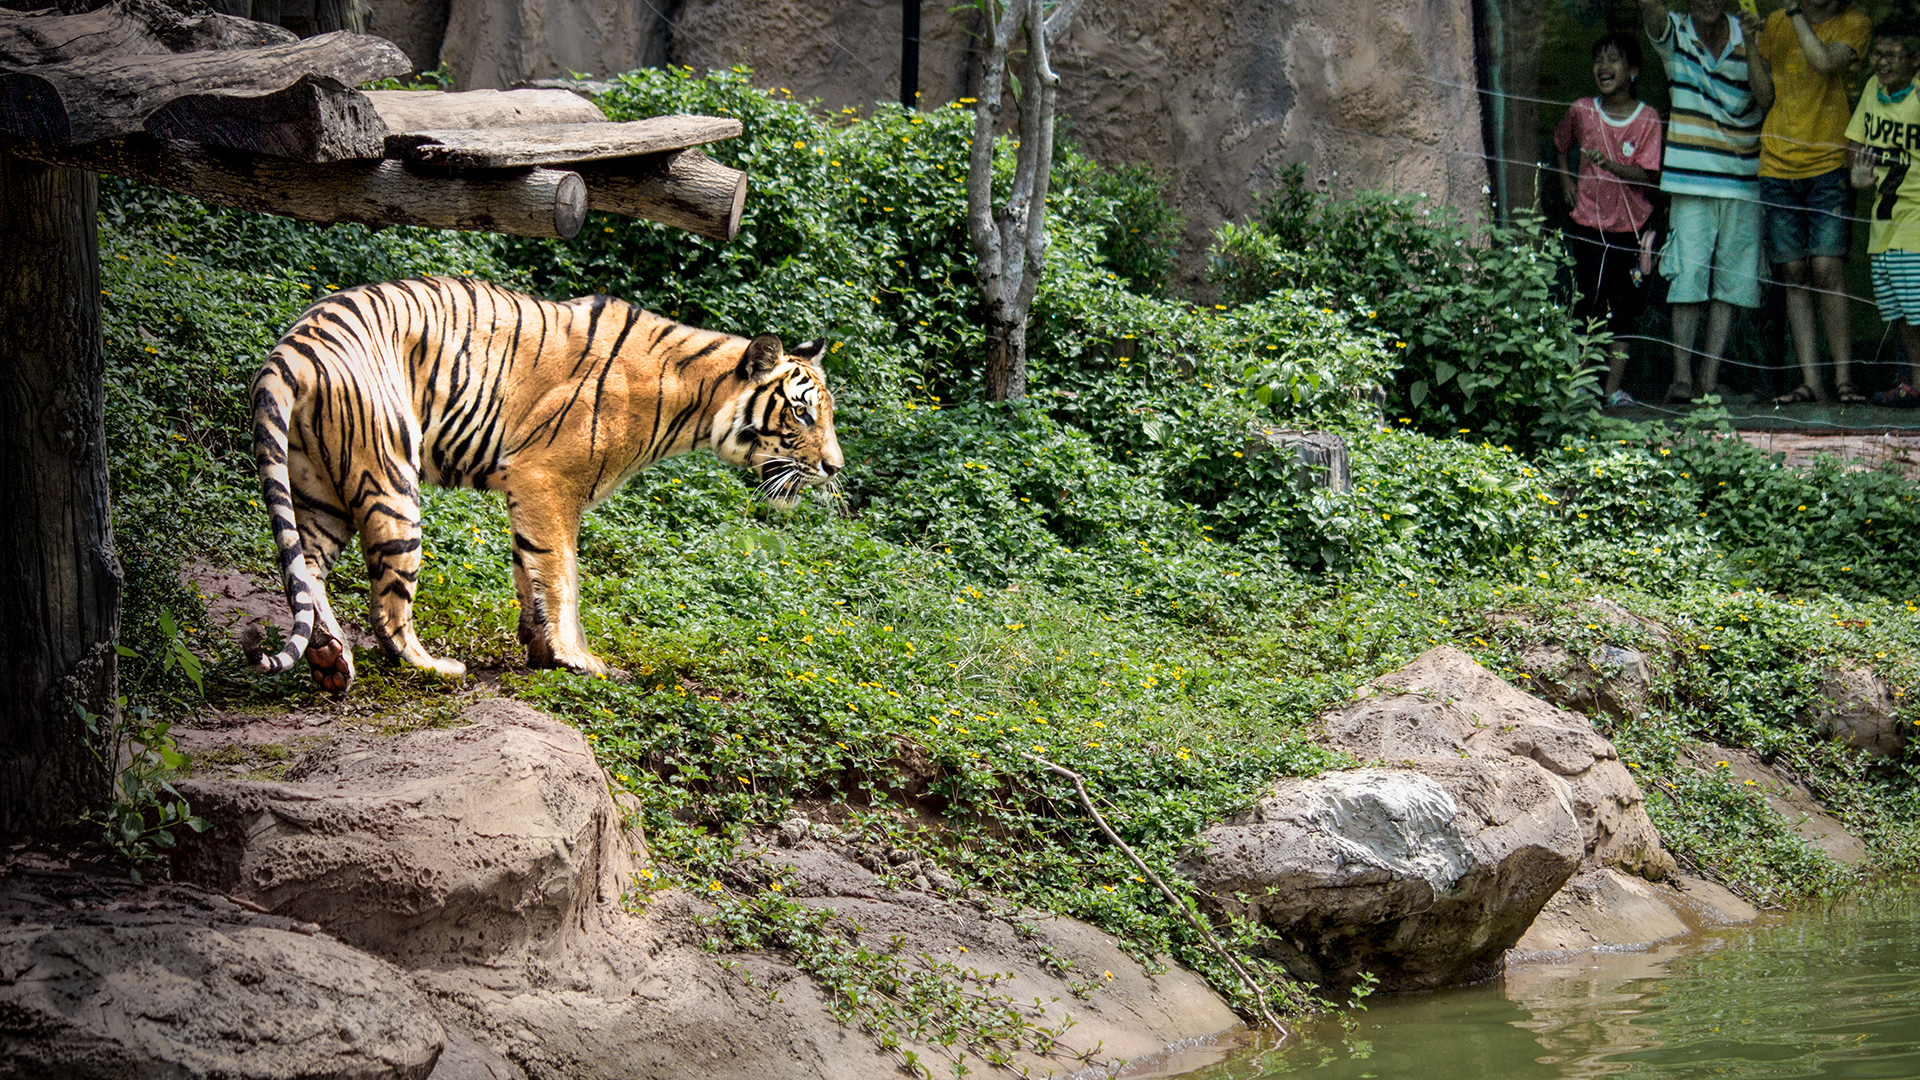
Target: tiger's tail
[(273, 394)]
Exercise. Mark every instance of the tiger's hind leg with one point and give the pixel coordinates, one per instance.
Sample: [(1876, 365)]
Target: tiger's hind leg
[(390, 540), (533, 626), (324, 532)]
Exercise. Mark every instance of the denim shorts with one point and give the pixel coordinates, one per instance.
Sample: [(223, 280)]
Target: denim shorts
[(1808, 217)]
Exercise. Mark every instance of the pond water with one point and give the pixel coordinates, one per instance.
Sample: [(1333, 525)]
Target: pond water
[(1831, 991)]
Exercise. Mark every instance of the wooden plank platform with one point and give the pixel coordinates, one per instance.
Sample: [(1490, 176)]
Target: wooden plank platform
[(550, 144)]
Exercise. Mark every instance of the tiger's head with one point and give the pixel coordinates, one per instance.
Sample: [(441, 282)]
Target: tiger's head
[(782, 425)]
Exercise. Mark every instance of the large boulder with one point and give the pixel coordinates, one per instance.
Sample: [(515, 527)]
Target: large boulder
[(1423, 878), (1444, 705), (1857, 707), (490, 860), (103, 980), (464, 844)]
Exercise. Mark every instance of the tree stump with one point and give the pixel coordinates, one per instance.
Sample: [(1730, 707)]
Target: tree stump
[(1319, 457)]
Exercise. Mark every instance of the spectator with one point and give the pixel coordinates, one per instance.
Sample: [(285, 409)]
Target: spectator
[(1883, 132), (1807, 55), (1617, 139), (1710, 168)]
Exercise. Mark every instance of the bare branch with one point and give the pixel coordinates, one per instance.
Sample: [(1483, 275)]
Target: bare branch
[(1246, 977), (1061, 18)]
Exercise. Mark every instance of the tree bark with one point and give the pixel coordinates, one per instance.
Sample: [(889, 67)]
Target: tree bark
[(683, 188), (1006, 374), (526, 202), (59, 576), (1010, 242), (104, 97)]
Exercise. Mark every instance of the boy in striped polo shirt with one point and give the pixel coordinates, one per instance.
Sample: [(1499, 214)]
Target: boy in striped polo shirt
[(1885, 131), (1710, 169)]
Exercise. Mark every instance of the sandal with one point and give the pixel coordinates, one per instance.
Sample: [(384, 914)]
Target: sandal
[(1680, 394), (1799, 395), (1903, 396), (1847, 395)]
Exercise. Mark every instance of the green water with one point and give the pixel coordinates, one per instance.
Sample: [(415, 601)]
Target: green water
[(1828, 992)]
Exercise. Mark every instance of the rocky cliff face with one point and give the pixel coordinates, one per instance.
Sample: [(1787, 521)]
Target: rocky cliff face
[(1221, 94)]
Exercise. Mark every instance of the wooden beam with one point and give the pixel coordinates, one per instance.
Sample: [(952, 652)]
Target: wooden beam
[(523, 202), (314, 120), (125, 28), (435, 110), (684, 188), (550, 144), (94, 98)]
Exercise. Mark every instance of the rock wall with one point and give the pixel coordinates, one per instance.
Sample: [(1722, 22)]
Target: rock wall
[(1221, 94)]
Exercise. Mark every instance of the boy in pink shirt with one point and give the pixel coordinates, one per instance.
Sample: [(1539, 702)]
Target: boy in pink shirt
[(1617, 138)]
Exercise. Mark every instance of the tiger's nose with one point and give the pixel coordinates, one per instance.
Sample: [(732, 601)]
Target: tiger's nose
[(829, 467)]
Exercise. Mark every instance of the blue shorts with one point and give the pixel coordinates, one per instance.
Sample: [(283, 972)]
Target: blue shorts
[(1712, 250), (1896, 285), (1808, 218)]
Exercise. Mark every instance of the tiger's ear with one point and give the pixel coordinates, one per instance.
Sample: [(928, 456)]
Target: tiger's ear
[(763, 354), (810, 350)]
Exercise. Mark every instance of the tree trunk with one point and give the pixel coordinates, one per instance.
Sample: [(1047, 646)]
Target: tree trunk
[(1006, 375), (59, 575)]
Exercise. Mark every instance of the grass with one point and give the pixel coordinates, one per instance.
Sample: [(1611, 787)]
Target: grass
[(1112, 575)]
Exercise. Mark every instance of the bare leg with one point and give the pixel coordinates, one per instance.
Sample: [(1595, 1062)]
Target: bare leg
[(1910, 341), (1719, 325), (1686, 327), (1795, 276), (1836, 314), (1616, 368)]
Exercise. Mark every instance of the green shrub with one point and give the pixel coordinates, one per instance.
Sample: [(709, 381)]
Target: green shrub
[(1486, 329)]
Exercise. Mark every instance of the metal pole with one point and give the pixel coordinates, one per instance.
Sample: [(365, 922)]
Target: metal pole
[(909, 54)]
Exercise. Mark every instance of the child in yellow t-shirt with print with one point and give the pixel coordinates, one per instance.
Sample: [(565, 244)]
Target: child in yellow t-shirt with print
[(1803, 78), (1884, 133)]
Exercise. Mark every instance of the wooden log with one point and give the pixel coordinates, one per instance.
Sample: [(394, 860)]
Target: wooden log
[(125, 28), (524, 202), (94, 98), (553, 144), (435, 110), (684, 188), (315, 120)]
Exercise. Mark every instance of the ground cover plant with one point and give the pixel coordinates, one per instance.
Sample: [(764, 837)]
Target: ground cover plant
[(1118, 573)]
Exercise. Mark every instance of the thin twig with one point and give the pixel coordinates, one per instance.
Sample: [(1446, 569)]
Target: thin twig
[(1253, 985)]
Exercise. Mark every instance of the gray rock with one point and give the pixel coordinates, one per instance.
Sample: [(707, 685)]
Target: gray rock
[(489, 860), (1423, 878), (459, 845), (170, 982), (1612, 679), (1857, 707), (1446, 705), (1606, 909)]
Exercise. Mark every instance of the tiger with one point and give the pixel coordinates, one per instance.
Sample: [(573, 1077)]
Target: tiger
[(464, 383)]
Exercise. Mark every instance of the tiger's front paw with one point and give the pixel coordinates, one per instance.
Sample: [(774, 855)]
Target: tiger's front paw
[(448, 669), (591, 666)]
